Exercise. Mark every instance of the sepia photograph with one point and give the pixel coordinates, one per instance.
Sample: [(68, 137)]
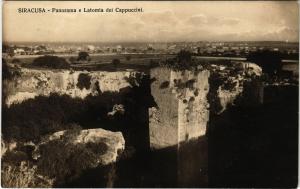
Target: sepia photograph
[(150, 94)]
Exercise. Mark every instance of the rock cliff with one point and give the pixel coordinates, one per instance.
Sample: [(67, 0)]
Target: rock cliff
[(182, 107), (34, 82), (185, 99)]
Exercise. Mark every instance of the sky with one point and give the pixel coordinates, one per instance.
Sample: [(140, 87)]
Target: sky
[(159, 22)]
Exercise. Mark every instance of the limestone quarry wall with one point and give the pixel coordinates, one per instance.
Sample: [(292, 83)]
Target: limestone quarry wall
[(185, 99), (182, 107), (163, 119), (34, 82), (193, 112)]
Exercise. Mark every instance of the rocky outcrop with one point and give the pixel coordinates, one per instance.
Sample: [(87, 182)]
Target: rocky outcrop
[(61, 158), (114, 142), (34, 82), (237, 83), (185, 99), (182, 106), (191, 102)]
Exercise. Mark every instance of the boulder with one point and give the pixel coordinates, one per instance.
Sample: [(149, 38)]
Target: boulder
[(114, 142)]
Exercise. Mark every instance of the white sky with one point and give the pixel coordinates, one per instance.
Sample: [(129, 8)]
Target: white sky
[(160, 22)]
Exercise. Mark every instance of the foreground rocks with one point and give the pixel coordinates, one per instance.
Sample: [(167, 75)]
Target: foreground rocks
[(62, 157), (113, 141)]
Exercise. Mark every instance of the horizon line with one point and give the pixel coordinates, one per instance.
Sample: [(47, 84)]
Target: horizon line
[(218, 41)]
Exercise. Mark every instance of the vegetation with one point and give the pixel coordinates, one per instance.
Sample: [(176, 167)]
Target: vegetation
[(84, 81), (6, 49), (59, 112), (269, 61), (116, 62), (17, 176), (65, 161), (128, 57), (16, 61), (54, 116), (22, 176), (9, 72), (72, 60), (53, 62), (83, 56), (164, 85), (182, 61), (183, 85), (153, 63)]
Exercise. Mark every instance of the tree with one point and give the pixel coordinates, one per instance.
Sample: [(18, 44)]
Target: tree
[(116, 62), (182, 61), (54, 62), (16, 61), (72, 60), (269, 61), (11, 52), (128, 57), (83, 56), (184, 56), (5, 70), (9, 72)]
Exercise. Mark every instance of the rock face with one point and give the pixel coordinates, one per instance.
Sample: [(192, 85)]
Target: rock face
[(113, 140), (235, 84), (182, 107), (185, 99), (62, 157), (9, 146), (33, 82), (190, 102)]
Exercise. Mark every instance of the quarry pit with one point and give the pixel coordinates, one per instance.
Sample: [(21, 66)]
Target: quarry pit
[(163, 111)]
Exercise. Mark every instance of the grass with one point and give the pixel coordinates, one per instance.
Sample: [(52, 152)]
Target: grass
[(22, 176)]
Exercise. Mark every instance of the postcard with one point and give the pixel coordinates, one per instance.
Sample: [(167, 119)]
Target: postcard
[(150, 94)]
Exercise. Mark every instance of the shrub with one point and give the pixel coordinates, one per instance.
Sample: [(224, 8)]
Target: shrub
[(58, 113), (84, 56), (54, 116), (65, 161), (184, 56), (128, 57), (196, 92), (164, 85), (15, 157), (72, 60), (182, 61), (269, 61), (53, 62), (9, 72), (16, 176), (98, 148), (192, 99), (116, 62), (183, 85), (84, 81), (22, 176), (153, 63), (16, 61)]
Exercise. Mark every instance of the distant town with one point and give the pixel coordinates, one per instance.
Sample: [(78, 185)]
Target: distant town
[(289, 50)]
